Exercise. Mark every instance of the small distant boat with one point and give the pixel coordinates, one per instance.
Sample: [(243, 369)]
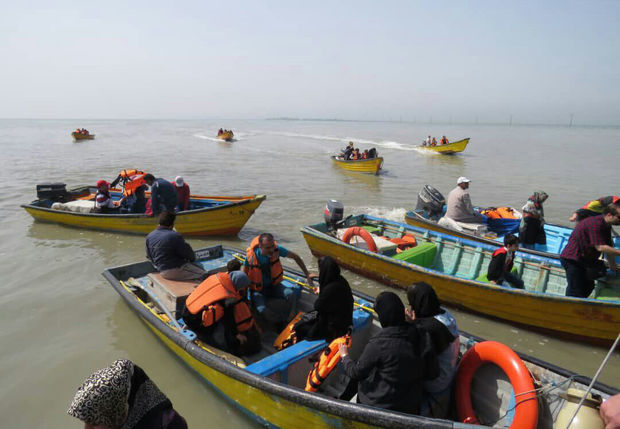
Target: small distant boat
[(371, 165), (226, 136), (448, 149), (78, 136), (269, 385)]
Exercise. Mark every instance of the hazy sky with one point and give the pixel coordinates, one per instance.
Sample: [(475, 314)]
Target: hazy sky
[(539, 61)]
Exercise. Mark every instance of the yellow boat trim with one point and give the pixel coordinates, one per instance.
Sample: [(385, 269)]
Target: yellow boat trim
[(372, 165)]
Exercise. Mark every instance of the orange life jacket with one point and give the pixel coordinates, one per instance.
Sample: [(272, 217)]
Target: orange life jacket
[(499, 213), (133, 184), (254, 269), (330, 357), (208, 297), (128, 173)]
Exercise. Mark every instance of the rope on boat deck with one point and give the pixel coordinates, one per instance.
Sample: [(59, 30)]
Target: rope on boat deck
[(598, 372)]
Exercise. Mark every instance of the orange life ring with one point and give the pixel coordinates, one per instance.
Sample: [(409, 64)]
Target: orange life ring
[(526, 412), (360, 232)]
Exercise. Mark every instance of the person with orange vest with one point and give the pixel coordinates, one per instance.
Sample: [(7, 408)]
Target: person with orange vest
[(218, 312), (502, 262), (444, 140), (593, 208), (262, 265), (390, 372)]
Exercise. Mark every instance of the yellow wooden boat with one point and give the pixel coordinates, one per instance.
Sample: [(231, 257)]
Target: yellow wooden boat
[(77, 136), (372, 165), (457, 270), (208, 215), (448, 149), (226, 136), (268, 386)]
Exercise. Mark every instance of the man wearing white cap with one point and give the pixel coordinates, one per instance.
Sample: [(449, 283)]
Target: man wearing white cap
[(460, 208), (182, 189)]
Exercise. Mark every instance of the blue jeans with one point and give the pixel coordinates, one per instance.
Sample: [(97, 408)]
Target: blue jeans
[(290, 294), (513, 280)]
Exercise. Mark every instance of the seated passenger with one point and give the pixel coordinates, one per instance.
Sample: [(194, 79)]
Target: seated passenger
[(365, 154), (426, 315), (334, 306), (220, 132), (103, 200), (218, 312), (444, 140), (459, 206), (163, 195), (434, 142), (169, 252), (262, 265), (372, 153), (182, 189), (502, 262), (390, 370), (356, 154), (136, 202)]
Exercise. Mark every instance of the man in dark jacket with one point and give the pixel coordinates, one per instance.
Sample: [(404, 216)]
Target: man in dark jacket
[(390, 370), (163, 194), (169, 252), (502, 262)]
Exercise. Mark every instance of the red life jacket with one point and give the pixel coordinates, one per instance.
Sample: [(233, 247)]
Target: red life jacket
[(509, 262), (208, 297), (254, 269), (326, 363)]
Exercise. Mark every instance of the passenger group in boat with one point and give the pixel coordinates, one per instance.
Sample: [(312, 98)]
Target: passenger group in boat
[(427, 316), (532, 225), (82, 131), (170, 254), (351, 153), (580, 257), (262, 265), (123, 396), (593, 208), (500, 267)]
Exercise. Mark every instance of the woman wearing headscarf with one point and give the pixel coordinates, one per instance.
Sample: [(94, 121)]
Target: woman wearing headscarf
[(123, 396), (390, 371), (427, 316), (334, 305), (531, 228)]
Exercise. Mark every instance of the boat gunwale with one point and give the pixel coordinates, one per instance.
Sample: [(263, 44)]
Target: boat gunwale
[(445, 145), (534, 294), (250, 199), (335, 407), (368, 160)]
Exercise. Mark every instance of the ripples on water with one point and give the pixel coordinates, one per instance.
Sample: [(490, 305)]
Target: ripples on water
[(61, 320)]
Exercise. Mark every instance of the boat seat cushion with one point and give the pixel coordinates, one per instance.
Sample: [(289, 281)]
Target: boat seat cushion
[(483, 277), (423, 254)]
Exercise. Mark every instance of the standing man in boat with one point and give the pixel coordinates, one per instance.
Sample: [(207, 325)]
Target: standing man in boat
[(169, 252), (580, 257), (262, 265), (459, 204), (163, 194), (182, 190)]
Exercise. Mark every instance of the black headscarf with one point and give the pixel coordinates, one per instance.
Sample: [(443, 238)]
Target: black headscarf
[(423, 300), (329, 271), (390, 309)]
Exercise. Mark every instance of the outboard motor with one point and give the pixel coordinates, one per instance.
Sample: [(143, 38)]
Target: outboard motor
[(431, 200), (56, 192), (334, 212)]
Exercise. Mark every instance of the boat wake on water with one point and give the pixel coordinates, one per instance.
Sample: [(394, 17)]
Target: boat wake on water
[(395, 214), (387, 144)]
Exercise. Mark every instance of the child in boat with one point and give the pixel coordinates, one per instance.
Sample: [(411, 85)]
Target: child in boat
[(502, 262)]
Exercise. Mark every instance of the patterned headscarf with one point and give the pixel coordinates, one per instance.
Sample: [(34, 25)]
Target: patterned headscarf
[(539, 197), (103, 398)]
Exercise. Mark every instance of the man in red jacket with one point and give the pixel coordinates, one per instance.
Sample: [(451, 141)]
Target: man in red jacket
[(182, 189)]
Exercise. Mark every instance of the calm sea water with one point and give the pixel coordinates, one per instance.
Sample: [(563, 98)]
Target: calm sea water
[(59, 319)]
